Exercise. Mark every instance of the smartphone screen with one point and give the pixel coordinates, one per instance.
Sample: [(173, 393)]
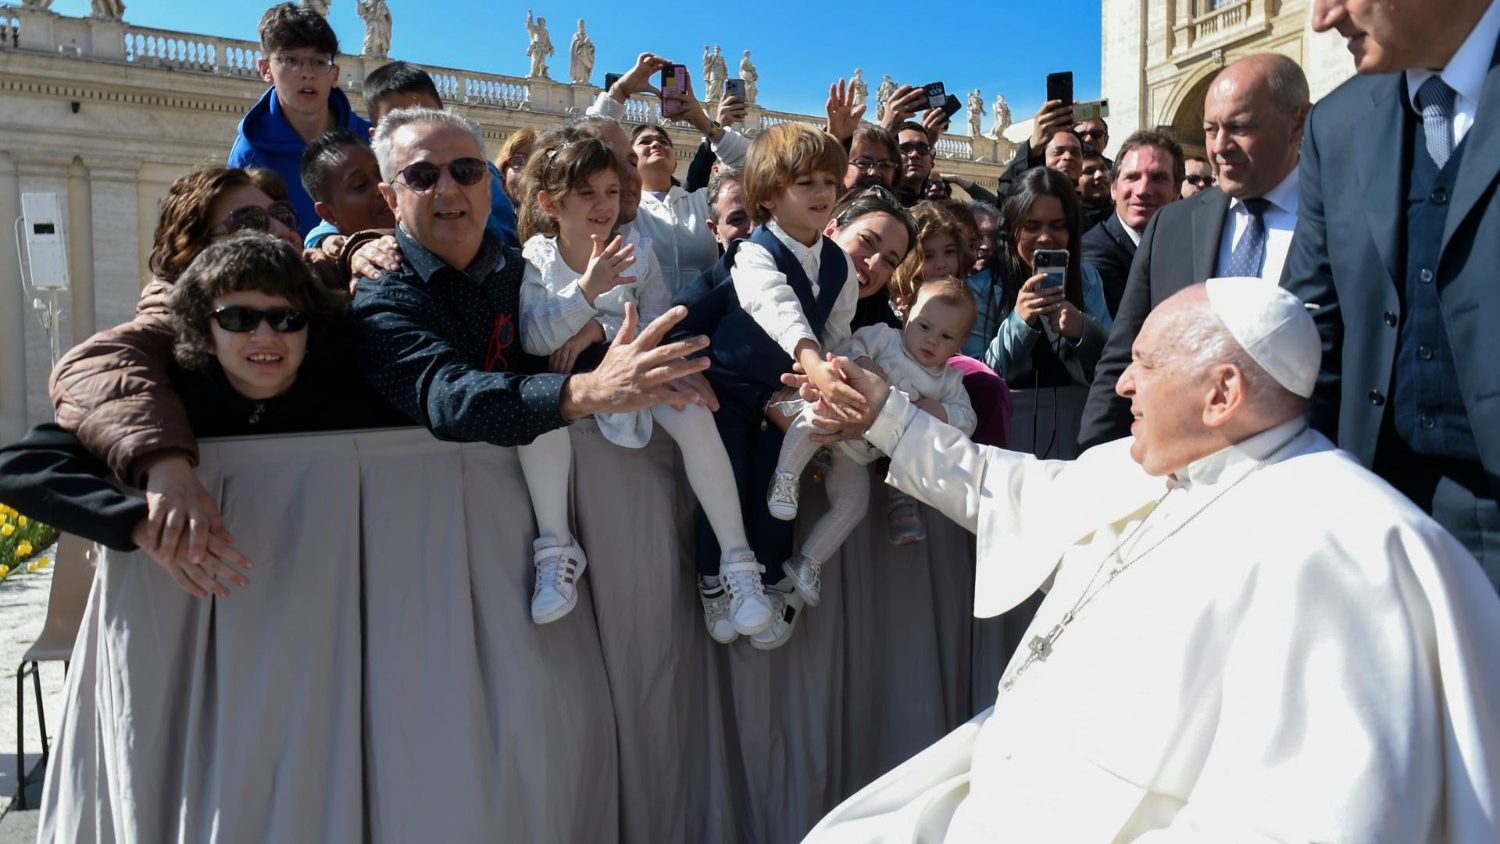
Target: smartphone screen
[(1060, 87), (1053, 262)]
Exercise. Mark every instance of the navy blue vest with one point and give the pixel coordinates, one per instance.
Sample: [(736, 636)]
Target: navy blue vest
[(737, 343), (1428, 411)]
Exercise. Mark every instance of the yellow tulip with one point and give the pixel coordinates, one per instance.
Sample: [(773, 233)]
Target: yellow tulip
[(24, 549), (7, 529), (4, 570), (22, 521)]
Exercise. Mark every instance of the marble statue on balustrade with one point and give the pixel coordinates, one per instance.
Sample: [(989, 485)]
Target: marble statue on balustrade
[(541, 46), (715, 71), (109, 10), (1002, 117), (582, 53), (319, 6), (976, 111), (751, 75), (859, 91), (37, 5), (377, 18), (883, 95)]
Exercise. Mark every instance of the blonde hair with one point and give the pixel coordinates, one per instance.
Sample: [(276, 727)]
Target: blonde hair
[(559, 168), (780, 155), (518, 139), (950, 291), (932, 219)]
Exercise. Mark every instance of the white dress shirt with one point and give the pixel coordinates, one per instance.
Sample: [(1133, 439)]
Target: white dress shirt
[(1465, 72), (768, 299), (1280, 219)]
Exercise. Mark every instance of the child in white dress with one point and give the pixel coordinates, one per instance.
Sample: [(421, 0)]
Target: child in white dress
[(914, 361), (580, 274)]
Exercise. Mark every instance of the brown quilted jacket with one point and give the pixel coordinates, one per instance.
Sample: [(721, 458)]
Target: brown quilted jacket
[(114, 392)]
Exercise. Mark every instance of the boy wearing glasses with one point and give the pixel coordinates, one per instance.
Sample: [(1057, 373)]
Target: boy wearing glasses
[(304, 100)]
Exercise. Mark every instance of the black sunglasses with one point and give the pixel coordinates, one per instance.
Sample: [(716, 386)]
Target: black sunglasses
[(1091, 134), (1199, 181), (423, 175), (912, 147), (257, 218), (240, 319)]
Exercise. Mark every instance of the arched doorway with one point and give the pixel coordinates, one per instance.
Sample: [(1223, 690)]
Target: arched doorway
[(1187, 123)]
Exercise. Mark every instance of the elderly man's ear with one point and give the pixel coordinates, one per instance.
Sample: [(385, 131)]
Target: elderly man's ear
[(1226, 395)]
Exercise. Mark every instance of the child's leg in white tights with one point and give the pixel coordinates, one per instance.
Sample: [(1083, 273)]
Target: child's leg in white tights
[(848, 486), (798, 448), (708, 472), (547, 461)]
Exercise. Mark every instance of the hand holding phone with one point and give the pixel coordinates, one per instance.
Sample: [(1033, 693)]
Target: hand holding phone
[(674, 90), (1060, 87), (1053, 263), (936, 94), (734, 88)]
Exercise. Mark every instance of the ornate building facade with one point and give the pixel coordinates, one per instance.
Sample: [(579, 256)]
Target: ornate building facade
[(105, 115), (1159, 56)]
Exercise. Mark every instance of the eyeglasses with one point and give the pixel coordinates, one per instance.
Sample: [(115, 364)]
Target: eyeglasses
[(516, 162), (422, 175), (870, 164), (912, 147), (1091, 134), (1200, 181), (316, 65), (257, 218), (240, 319)]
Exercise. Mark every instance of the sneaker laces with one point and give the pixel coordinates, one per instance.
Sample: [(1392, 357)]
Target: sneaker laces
[(743, 580), (814, 570), (557, 568), (784, 488)]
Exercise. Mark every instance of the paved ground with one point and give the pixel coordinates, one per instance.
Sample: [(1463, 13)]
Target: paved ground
[(23, 609)]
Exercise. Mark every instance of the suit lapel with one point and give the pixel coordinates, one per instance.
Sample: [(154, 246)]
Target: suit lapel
[(1379, 180), (1480, 163), (1116, 230), (1208, 230)]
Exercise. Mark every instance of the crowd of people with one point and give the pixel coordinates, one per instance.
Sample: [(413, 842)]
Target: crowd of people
[(814, 297)]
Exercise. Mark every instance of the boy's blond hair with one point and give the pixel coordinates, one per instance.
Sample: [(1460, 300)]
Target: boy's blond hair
[(780, 155)]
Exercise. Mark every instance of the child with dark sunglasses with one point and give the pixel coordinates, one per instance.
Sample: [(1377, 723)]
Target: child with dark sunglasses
[(258, 351)]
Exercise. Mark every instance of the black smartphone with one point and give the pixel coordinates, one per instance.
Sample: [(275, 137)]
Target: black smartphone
[(1060, 87), (610, 79), (936, 94), (1053, 262), (951, 105)]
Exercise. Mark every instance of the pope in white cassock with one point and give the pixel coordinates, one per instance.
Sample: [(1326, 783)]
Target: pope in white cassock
[(1246, 635)]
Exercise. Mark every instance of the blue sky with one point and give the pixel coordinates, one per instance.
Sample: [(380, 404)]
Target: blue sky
[(799, 47)]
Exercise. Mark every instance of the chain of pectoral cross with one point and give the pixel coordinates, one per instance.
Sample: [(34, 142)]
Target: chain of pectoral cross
[(1040, 646)]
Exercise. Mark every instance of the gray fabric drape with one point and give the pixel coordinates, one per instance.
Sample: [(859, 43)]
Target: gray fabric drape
[(381, 678)]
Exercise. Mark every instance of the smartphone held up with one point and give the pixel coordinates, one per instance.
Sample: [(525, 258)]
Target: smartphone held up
[(1052, 262), (674, 90)]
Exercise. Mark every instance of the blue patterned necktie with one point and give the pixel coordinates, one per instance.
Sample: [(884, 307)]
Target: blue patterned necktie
[(1250, 252), (1435, 101)]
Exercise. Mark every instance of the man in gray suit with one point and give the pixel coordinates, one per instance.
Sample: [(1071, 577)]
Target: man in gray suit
[(1253, 118), (1398, 253)]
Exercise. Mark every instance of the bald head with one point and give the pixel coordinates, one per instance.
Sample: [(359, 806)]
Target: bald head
[(1253, 117)]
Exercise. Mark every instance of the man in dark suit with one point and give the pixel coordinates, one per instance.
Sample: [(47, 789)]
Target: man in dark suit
[(1147, 178), (1397, 254), (1253, 118)]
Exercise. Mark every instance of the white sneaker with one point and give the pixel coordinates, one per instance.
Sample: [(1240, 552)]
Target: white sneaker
[(788, 607), (805, 573), (716, 612), (750, 611), (558, 568), (781, 498)]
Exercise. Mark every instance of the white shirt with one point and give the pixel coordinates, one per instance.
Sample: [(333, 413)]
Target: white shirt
[(678, 222), (1135, 236), (1280, 220), (943, 384), (768, 299), (553, 307), (1465, 72)]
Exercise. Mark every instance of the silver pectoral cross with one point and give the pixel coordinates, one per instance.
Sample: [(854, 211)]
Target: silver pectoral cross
[(1040, 647)]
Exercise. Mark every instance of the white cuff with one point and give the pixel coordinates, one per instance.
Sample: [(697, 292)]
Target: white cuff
[(888, 427), (607, 106)]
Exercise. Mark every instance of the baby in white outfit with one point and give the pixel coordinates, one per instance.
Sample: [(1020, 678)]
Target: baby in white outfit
[(914, 361)]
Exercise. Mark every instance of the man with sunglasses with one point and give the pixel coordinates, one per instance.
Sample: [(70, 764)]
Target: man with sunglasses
[(916, 150), (1095, 133), (1198, 176), (438, 336), (303, 102)]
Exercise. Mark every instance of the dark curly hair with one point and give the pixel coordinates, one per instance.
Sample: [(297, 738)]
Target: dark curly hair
[(292, 26), (247, 260), (182, 230)]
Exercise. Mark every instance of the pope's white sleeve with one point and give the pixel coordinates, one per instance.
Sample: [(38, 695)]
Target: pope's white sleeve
[(765, 295), (550, 318)]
